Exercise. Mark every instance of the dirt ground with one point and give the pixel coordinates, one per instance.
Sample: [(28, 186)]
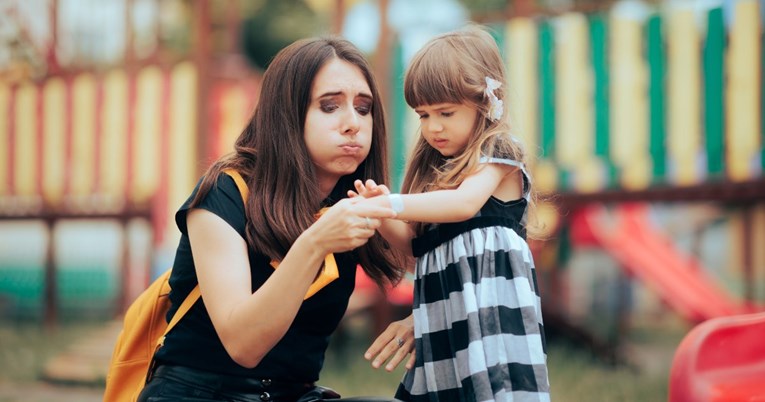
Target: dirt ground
[(45, 392)]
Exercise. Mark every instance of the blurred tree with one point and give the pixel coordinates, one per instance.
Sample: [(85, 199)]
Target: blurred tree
[(485, 6), (20, 59), (276, 24), (493, 9)]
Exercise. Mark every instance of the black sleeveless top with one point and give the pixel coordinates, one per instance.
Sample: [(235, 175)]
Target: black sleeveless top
[(299, 355)]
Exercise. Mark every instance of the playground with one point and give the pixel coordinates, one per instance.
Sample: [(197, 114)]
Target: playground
[(645, 120)]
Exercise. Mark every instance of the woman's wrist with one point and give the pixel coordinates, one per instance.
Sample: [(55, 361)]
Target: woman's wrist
[(310, 244)]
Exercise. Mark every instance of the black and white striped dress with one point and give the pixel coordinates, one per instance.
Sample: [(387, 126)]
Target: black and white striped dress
[(478, 321)]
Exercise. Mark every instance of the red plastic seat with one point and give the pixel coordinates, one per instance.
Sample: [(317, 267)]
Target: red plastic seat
[(722, 359)]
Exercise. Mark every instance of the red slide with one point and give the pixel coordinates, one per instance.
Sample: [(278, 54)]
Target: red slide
[(647, 254)]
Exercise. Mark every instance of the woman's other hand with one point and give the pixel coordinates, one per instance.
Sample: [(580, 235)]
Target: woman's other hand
[(393, 345)]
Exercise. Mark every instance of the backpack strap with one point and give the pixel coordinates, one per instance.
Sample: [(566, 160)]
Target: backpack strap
[(240, 183), (196, 293), (184, 308)]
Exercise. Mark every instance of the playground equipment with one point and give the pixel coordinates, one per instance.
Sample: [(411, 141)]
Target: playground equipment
[(648, 255), (722, 359)]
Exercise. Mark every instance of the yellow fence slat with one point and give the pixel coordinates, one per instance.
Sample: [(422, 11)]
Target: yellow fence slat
[(83, 135), (629, 102), (575, 135), (523, 77), (232, 114), (684, 86), (146, 137), (743, 93), (114, 136), (5, 99), (574, 96), (182, 150), (25, 145), (54, 140)]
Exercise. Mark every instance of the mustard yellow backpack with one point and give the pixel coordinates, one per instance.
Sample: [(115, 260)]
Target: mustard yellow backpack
[(144, 331)]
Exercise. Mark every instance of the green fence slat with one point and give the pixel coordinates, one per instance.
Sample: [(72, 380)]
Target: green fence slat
[(657, 123), (599, 49), (714, 113), (398, 139), (547, 89), (600, 67), (497, 31)]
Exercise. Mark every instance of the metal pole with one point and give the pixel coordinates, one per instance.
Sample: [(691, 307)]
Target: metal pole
[(202, 53), (382, 53), (338, 17), (50, 57), (51, 295), (233, 22), (747, 248)]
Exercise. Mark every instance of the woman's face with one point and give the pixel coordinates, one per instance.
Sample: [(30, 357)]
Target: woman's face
[(338, 123)]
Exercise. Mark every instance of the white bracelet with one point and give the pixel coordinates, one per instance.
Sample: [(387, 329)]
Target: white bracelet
[(396, 203)]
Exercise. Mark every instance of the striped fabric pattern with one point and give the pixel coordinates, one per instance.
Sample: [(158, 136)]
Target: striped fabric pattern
[(479, 334)]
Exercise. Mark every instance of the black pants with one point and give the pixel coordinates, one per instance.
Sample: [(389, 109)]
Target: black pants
[(177, 383)]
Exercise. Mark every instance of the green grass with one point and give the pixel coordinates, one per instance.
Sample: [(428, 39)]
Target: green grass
[(575, 375)]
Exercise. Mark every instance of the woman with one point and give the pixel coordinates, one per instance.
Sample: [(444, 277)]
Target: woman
[(261, 329)]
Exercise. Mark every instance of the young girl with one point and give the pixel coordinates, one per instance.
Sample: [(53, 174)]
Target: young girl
[(478, 322)]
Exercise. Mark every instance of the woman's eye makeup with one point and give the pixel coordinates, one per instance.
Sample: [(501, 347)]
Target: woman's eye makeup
[(364, 108), (328, 106)]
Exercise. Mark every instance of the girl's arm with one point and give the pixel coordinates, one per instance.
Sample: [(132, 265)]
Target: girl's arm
[(250, 324), (397, 232), (454, 205)]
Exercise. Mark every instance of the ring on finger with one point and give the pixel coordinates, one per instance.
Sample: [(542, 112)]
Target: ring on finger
[(369, 223)]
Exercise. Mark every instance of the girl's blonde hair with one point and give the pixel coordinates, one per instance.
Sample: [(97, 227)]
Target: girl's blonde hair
[(453, 68)]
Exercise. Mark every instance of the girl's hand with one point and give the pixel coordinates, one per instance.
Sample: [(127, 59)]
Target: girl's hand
[(347, 225), (368, 190), (394, 343)]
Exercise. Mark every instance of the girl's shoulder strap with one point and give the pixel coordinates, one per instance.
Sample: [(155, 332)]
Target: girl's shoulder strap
[(504, 161), (515, 163)]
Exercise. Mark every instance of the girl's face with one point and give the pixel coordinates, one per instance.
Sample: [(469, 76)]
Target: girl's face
[(447, 127), (338, 123)]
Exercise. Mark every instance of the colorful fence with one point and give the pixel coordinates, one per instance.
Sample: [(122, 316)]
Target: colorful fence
[(625, 101), (607, 102), (101, 147), (98, 142)]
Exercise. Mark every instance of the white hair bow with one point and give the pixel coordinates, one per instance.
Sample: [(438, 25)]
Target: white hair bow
[(495, 104)]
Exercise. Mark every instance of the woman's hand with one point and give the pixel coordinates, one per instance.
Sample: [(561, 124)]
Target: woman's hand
[(347, 225), (394, 343)]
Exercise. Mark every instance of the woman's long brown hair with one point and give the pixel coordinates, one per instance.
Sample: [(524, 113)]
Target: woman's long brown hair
[(271, 155)]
